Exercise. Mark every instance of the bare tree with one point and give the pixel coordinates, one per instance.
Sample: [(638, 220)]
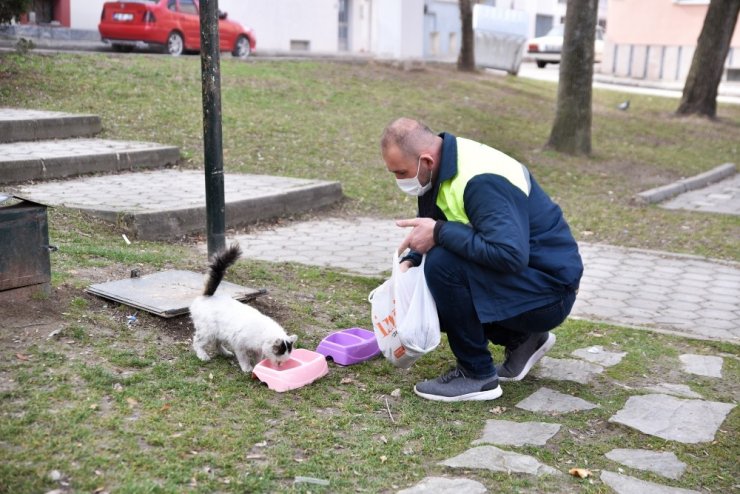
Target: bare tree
[(571, 131), (700, 91), (466, 59)]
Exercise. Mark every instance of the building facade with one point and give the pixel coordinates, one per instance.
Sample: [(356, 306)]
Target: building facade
[(655, 40)]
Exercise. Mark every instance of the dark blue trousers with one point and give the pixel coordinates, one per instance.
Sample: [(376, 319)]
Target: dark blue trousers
[(447, 277)]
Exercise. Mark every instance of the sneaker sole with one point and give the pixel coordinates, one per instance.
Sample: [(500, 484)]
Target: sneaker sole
[(491, 394), (536, 356)]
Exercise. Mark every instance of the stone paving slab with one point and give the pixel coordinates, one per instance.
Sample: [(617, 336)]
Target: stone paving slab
[(499, 460), (663, 463), (31, 125), (624, 484), (597, 355), (443, 485), (46, 160), (550, 401), (165, 204), (702, 365), (660, 291), (566, 369), (674, 419), (721, 197), (507, 432), (680, 390)]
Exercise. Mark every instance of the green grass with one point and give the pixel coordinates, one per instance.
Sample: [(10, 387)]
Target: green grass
[(130, 409), (323, 120)]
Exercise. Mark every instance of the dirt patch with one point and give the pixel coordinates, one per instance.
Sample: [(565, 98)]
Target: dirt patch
[(31, 321)]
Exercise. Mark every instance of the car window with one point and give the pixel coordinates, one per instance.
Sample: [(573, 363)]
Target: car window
[(172, 5), (188, 7)]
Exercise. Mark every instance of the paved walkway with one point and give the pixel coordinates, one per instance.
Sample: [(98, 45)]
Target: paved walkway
[(722, 197)]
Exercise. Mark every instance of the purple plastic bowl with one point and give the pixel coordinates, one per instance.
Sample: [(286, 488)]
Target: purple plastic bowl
[(349, 346)]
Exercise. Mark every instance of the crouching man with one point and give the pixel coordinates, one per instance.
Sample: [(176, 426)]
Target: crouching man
[(501, 262)]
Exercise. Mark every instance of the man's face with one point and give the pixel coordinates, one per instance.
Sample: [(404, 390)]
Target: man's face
[(402, 166), (399, 164)]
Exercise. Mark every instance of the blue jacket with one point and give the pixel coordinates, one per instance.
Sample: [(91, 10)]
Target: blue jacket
[(509, 227)]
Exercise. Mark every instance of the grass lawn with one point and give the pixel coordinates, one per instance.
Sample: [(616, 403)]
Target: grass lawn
[(124, 408)]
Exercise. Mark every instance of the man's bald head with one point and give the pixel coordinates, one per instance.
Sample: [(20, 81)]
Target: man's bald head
[(409, 136)]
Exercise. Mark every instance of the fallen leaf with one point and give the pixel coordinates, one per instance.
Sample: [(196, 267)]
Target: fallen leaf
[(131, 402), (20, 356), (383, 458), (383, 439), (346, 380), (396, 393), (580, 472), (165, 407), (497, 410), (94, 406)]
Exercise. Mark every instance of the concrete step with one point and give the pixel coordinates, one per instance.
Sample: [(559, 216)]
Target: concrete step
[(34, 125), (44, 160), (166, 204)]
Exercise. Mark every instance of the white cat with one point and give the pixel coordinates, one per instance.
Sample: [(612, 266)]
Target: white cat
[(222, 323)]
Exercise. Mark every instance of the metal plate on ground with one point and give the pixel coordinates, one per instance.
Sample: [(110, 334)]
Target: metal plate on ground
[(167, 293)]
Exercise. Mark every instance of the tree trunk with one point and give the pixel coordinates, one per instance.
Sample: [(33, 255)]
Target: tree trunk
[(700, 91), (571, 131), (466, 59)]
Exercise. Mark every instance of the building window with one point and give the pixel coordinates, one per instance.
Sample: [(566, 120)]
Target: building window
[(434, 42)]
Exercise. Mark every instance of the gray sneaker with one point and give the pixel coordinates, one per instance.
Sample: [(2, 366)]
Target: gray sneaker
[(456, 386), (520, 359)]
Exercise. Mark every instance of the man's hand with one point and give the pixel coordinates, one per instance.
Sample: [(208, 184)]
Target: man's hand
[(421, 236), (406, 265)]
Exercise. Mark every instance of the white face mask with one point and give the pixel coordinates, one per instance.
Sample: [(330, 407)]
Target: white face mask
[(412, 186)]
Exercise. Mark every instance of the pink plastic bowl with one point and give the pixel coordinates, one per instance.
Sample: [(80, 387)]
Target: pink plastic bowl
[(303, 367)]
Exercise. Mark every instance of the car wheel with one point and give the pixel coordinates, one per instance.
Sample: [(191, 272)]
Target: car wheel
[(241, 47), (175, 44), (541, 64)]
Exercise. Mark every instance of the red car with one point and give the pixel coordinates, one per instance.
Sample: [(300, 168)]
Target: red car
[(172, 24)]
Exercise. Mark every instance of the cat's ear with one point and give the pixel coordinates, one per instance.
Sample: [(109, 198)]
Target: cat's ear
[(293, 338)]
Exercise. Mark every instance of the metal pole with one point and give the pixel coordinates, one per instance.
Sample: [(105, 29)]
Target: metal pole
[(212, 142)]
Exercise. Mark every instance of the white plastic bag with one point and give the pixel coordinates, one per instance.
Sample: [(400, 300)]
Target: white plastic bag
[(404, 316)]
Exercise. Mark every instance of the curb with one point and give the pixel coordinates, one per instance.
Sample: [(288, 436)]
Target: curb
[(664, 192), (53, 167), (49, 128), (168, 224)]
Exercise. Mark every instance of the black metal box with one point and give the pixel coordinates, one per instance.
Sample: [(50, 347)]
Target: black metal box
[(24, 245)]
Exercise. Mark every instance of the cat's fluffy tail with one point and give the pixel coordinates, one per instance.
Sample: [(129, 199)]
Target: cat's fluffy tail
[(218, 266)]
